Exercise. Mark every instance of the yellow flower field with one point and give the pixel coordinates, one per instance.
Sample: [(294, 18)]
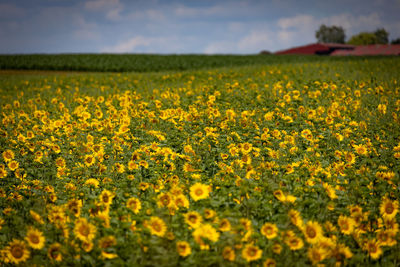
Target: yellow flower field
[(283, 164)]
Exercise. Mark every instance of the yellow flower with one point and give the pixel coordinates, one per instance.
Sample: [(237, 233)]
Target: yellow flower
[(35, 238), (224, 225), (306, 134), (108, 255), (228, 254), (389, 208), (3, 172), (132, 165), (290, 198), (8, 155), (373, 248), (133, 225), (277, 248), (294, 242), (199, 191), (280, 195), (106, 197), (312, 231), (382, 108), (205, 231), (181, 201), (246, 148), (89, 160), (346, 224), (316, 254), (17, 251), (74, 206), (107, 241), (104, 216), (84, 230), (36, 217), (330, 191), (269, 116), (54, 252), (87, 246), (13, 165), (269, 230), (361, 149), (251, 253), (295, 218), (269, 263), (183, 248), (134, 205), (209, 213), (144, 164), (93, 182), (193, 218), (156, 226), (164, 200)]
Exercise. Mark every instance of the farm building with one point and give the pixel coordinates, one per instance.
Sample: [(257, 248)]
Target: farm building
[(364, 50), (342, 50), (315, 49)]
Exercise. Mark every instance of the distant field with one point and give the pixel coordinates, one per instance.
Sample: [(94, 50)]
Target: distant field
[(146, 62)]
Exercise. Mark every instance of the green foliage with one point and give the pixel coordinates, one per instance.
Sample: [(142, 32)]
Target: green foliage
[(382, 36), (140, 62), (330, 34), (363, 38), (395, 41)]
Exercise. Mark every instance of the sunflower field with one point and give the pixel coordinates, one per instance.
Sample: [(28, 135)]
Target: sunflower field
[(285, 164)]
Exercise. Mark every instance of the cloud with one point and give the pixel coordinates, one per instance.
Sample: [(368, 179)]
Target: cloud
[(220, 47), (256, 41), (138, 44), (186, 11), (250, 41), (300, 29), (151, 14), (296, 22), (86, 30), (112, 8), (354, 24), (218, 10), (292, 31), (97, 5)]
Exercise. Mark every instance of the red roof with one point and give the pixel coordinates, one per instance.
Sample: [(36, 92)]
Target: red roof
[(316, 48), (369, 50)]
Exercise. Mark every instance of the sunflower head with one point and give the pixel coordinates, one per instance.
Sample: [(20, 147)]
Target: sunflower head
[(156, 226), (17, 251), (183, 248), (251, 253), (35, 238), (269, 230)]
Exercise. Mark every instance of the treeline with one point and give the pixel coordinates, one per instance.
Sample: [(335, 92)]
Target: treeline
[(336, 34)]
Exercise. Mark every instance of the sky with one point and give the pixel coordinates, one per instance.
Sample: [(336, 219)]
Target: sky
[(183, 27)]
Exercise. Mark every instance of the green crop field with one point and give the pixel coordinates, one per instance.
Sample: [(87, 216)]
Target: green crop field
[(149, 62), (199, 161)]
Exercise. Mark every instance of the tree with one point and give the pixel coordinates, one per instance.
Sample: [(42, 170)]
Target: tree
[(332, 34), (382, 36), (363, 38), (395, 41)]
